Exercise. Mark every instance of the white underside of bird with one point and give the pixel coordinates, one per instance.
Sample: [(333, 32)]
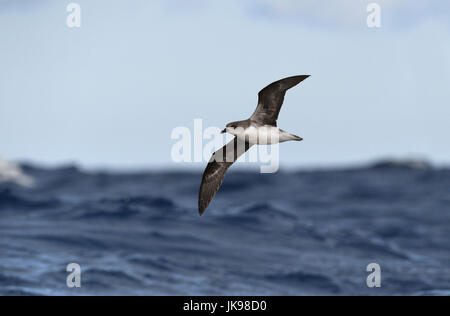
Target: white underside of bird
[(262, 135)]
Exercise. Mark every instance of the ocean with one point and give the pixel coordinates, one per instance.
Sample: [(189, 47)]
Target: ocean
[(308, 232)]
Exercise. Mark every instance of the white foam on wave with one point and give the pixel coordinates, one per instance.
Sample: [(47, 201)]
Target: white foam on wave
[(12, 173)]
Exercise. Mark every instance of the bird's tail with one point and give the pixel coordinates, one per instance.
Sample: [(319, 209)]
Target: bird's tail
[(296, 138)]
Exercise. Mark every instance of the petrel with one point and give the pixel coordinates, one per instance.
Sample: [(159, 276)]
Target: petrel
[(260, 129)]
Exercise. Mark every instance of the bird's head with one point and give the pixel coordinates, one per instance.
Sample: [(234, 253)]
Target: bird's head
[(230, 128)]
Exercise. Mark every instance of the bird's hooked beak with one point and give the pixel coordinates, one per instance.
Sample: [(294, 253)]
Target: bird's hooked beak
[(224, 131)]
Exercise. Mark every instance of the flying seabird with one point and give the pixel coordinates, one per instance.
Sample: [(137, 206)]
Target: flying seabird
[(260, 129)]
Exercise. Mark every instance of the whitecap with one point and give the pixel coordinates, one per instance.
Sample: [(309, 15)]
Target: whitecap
[(12, 173)]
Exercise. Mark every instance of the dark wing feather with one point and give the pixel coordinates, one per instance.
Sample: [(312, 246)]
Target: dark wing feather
[(271, 99), (215, 171)]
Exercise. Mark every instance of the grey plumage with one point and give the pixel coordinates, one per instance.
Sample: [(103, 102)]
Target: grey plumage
[(266, 114)]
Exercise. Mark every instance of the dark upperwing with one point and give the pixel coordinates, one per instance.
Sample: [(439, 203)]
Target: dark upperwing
[(215, 171), (271, 99)]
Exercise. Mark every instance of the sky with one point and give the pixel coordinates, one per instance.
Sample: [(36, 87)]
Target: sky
[(110, 93)]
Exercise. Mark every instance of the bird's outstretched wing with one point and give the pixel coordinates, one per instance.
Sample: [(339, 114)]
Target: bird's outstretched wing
[(215, 171), (271, 99)]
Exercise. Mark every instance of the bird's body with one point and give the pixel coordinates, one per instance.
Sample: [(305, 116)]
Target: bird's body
[(260, 129), (262, 134)]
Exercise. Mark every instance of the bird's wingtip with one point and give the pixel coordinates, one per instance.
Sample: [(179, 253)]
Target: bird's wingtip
[(300, 78)]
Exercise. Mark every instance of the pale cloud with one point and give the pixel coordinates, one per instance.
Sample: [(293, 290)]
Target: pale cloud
[(310, 13), (349, 13), (22, 5)]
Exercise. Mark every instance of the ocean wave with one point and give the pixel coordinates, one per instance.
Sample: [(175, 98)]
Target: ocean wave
[(74, 242), (278, 234), (11, 200), (260, 211), (110, 278), (152, 264), (305, 280), (17, 292), (6, 280), (125, 208), (409, 164), (13, 173)]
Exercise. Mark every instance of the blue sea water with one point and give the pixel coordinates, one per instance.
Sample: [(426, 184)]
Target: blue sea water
[(290, 233)]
